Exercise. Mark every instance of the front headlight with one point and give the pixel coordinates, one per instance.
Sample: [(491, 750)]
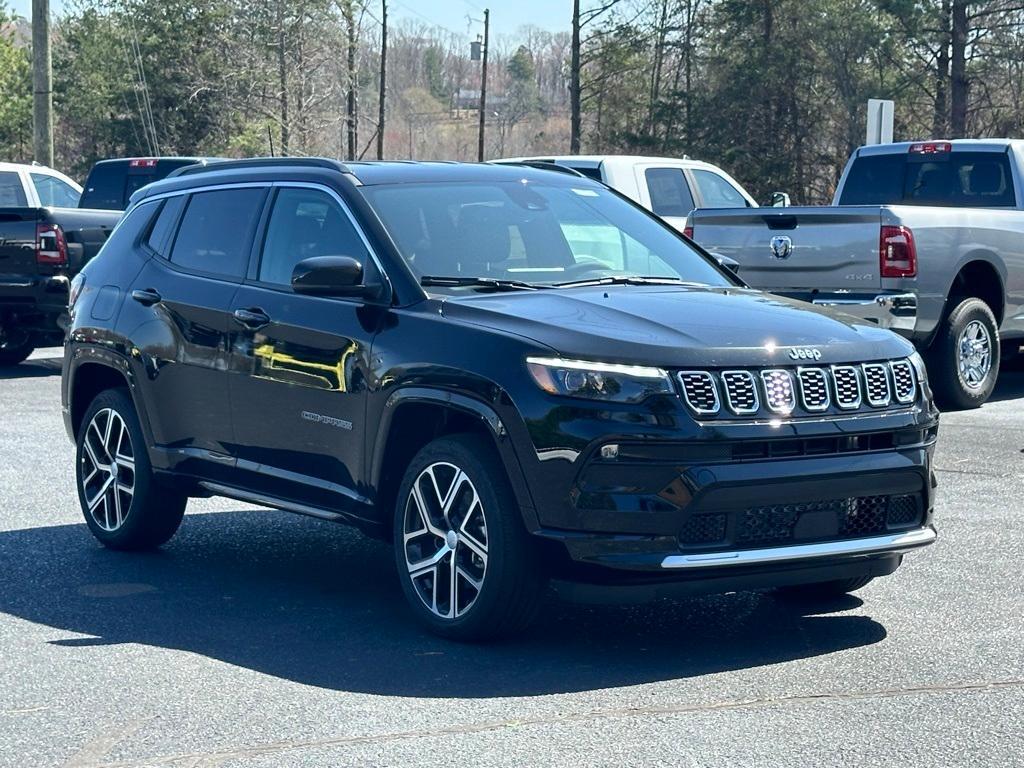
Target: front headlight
[(598, 381)]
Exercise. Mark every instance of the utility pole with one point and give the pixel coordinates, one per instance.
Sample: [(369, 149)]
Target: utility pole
[(42, 84), (483, 87), (351, 102), (574, 82), (383, 77)]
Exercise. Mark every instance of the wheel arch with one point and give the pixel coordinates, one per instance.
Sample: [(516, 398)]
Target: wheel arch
[(413, 417), (979, 276), (95, 373)]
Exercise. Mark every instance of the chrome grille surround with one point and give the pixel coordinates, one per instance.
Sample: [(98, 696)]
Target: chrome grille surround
[(814, 394), (847, 384), (741, 392), (904, 383), (700, 391), (876, 384), (779, 394)]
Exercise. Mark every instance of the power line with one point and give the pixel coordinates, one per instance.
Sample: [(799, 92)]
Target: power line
[(427, 18)]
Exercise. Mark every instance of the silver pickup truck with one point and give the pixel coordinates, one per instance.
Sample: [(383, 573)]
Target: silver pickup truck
[(925, 238)]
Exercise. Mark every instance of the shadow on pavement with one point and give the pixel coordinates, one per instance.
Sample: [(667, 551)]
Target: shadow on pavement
[(319, 604), (32, 369), (1010, 385)]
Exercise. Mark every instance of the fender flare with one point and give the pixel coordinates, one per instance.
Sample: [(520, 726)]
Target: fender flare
[(464, 404)]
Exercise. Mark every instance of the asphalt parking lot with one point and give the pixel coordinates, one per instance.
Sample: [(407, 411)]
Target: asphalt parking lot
[(258, 638)]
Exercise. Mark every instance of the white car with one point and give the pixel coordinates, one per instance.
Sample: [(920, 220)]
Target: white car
[(669, 187), (36, 186)]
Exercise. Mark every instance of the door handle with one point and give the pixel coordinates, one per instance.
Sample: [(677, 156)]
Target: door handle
[(252, 318), (147, 297)]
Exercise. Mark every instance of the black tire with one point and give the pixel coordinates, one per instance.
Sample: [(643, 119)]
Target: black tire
[(143, 519), (513, 579), (824, 590), (952, 390), (16, 347)]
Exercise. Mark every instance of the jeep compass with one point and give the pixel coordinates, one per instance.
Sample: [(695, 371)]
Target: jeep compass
[(514, 375)]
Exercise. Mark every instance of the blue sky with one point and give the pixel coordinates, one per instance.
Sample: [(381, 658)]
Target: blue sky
[(506, 15)]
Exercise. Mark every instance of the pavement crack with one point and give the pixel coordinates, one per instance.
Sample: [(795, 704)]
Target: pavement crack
[(215, 757)]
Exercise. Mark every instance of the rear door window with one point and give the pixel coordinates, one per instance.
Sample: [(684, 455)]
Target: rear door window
[(716, 192), (54, 192), (12, 194), (670, 194), (216, 231)]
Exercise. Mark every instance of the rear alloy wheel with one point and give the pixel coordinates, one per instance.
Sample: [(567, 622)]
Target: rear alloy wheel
[(964, 359), (467, 566), (123, 504)]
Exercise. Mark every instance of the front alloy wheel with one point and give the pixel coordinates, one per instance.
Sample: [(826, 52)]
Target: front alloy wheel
[(445, 540), (467, 566)]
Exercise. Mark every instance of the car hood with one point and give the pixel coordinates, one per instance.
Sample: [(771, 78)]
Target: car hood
[(678, 326)]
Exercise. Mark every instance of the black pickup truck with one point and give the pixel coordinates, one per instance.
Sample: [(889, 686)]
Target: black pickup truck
[(44, 242)]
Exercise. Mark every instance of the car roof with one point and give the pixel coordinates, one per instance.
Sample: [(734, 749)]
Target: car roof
[(957, 145), (361, 173), (117, 160)]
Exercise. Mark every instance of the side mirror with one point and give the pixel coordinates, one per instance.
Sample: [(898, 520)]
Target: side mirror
[(330, 276), (780, 200), (724, 261)]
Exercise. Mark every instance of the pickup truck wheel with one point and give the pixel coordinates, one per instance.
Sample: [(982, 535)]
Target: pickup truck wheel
[(15, 346), (467, 566), (124, 505), (965, 356)]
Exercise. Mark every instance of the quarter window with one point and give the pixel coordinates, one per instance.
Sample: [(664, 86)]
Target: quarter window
[(303, 224), (215, 231), (670, 194), (716, 191), (160, 236)]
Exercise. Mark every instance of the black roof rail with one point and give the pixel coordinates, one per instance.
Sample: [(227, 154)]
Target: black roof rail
[(260, 162), (544, 165)]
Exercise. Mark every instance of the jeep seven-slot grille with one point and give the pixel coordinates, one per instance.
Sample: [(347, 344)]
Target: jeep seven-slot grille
[(740, 392), (904, 387), (834, 519), (700, 391), (803, 391)]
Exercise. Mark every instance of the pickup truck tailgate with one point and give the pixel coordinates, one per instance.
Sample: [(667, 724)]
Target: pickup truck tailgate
[(17, 246), (797, 248)]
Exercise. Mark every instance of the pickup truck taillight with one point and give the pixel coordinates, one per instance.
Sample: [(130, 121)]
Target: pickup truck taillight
[(688, 231), (51, 247), (897, 254)]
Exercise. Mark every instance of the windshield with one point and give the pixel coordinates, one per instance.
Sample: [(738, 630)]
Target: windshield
[(531, 232)]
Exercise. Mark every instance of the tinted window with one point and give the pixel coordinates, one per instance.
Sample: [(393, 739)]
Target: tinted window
[(670, 194), (130, 228), (160, 236), (954, 179), (874, 180), (587, 170), (215, 231), (303, 224), (717, 192), (105, 187), (53, 192), (535, 232), (11, 193)]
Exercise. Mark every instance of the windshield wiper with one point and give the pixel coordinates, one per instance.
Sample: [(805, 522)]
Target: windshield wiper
[(627, 280), (493, 283)]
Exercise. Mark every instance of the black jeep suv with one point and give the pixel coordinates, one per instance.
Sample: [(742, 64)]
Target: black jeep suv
[(513, 374)]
